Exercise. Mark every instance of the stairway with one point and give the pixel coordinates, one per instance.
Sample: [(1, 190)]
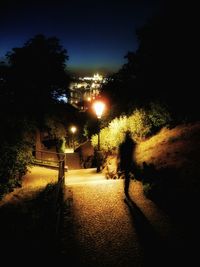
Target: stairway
[(73, 161)]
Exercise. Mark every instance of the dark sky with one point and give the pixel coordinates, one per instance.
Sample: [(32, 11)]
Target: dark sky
[(96, 34)]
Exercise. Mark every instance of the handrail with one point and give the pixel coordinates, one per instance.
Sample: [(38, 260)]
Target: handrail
[(59, 189), (59, 193), (49, 152), (48, 157)]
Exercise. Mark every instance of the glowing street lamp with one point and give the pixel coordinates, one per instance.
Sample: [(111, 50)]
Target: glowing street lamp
[(73, 130), (99, 108)]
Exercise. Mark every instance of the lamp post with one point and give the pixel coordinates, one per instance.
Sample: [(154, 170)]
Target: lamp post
[(73, 130), (99, 107)]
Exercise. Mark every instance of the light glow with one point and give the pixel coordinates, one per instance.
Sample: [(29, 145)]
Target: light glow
[(99, 107), (73, 129)]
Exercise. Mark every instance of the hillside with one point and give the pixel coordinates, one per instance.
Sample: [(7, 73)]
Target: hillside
[(173, 182), (177, 147)]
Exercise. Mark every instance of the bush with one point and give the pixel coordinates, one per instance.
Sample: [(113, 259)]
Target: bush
[(139, 124), (13, 165), (16, 147), (159, 116), (142, 123)]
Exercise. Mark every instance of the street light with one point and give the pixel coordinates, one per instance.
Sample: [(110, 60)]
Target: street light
[(73, 130), (99, 107)]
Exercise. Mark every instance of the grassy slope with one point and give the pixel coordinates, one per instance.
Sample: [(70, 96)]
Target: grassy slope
[(175, 155), (178, 147)]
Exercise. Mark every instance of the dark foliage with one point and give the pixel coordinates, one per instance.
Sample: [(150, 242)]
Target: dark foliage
[(159, 69), (28, 225), (36, 74), (30, 82)]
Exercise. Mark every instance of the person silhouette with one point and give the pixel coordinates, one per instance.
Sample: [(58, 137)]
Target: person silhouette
[(125, 157)]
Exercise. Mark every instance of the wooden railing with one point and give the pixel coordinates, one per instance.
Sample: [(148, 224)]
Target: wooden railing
[(48, 158), (56, 160), (59, 197)]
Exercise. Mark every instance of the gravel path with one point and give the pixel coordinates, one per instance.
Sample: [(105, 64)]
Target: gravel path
[(101, 229)]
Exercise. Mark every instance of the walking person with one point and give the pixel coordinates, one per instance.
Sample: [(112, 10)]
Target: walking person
[(126, 163)]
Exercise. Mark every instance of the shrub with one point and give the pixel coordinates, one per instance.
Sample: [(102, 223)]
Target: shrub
[(159, 115), (142, 123), (16, 155), (111, 136), (139, 124)]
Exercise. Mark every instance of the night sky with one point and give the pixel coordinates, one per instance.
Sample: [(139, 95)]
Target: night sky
[(96, 34)]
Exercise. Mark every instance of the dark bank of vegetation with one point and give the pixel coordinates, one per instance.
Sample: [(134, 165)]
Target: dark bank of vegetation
[(158, 70), (147, 97), (28, 224), (31, 82), (171, 174)]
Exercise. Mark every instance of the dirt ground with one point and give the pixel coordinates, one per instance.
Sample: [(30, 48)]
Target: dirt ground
[(36, 179)]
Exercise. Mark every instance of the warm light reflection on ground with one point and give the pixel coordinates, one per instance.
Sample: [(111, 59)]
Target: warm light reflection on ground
[(84, 176), (69, 150), (40, 177), (36, 179), (104, 228)]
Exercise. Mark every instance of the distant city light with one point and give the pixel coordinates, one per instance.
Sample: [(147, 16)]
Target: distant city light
[(85, 89), (96, 77), (62, 98)]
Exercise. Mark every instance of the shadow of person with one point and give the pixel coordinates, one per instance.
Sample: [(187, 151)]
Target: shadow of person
[(149, 172), (156, 251)]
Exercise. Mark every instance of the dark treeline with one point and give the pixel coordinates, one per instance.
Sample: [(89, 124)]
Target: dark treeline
[(161, 69), (31, 80), (34, 74)]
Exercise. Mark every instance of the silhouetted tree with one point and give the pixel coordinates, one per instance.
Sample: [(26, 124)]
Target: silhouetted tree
[(37, 73), (30, 82), (159, 69)]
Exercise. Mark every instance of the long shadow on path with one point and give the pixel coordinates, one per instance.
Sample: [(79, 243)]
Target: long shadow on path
[(157, 252)]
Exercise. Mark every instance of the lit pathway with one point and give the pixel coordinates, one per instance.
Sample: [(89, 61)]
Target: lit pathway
[(83, 176), (35, 179), (100, 229), (39, 177)]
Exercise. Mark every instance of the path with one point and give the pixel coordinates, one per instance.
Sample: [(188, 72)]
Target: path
[(36, 178), (100, 229)]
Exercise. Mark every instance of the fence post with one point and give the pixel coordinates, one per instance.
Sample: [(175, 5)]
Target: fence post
[(59, 193)]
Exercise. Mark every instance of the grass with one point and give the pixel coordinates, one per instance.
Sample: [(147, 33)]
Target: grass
[(175, 147), (174, 153)]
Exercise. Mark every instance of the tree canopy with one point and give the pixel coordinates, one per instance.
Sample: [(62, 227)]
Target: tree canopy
[(36, 73), (158, 70), (30, 82)]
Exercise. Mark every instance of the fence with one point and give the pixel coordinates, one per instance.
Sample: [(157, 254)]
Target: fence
[(48, 158), (59, 197), (53, 159)]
